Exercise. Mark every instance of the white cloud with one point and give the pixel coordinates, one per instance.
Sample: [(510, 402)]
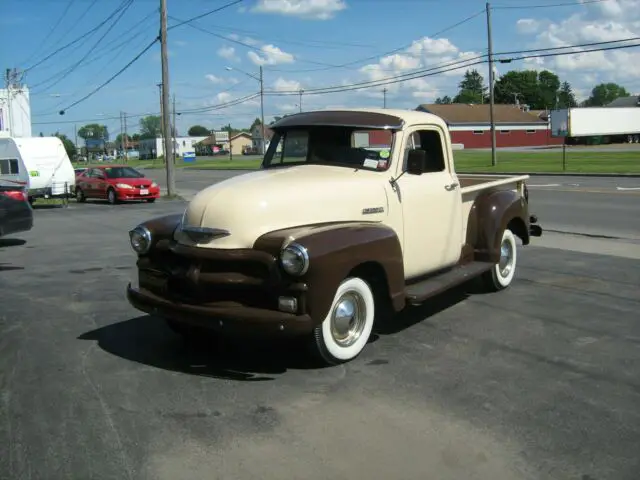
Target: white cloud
[(227, 52), (307, 9), (270, 55), (282, 85), (213, 79), (599, 22), (223, 97)]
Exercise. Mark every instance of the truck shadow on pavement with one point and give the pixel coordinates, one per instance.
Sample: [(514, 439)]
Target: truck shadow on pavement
[(148, 341)]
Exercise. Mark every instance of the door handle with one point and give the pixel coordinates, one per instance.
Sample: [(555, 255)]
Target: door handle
[(450, 187)]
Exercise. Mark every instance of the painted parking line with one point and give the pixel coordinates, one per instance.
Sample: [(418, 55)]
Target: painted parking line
[(627, 188)]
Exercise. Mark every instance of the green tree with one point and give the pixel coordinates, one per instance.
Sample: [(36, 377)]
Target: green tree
[(566, 97), (604, 94), (68, 145), (150, 127), (539, 90), (471, 88), (198, 131), (444, 100), (94, 131), (255, 123)]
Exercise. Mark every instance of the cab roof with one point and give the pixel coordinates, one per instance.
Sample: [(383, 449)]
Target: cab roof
[(387, 118)]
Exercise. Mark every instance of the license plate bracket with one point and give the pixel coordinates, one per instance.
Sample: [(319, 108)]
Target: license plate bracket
[(144, 191)]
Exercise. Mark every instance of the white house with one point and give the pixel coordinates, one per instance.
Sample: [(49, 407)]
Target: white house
[(15, 112), (154, 147)]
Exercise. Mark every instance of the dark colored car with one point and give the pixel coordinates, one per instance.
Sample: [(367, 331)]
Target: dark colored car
[(16, 214), (115, 183)]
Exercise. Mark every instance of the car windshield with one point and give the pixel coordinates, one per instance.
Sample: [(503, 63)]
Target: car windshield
[(331, 145), (122, 172)]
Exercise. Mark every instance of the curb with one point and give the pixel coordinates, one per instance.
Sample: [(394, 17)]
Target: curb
[(556, 174)]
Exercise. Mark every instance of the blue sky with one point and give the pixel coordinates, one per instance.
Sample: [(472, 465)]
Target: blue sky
[(300, 44)]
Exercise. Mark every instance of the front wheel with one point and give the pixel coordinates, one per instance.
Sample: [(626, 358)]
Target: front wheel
[(501, 274), (111, 196), (346, 329)]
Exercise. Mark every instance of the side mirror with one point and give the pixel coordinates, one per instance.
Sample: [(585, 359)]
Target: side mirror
[(416, 162)]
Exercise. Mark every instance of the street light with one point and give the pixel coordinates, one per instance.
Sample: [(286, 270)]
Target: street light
[(259, 79)]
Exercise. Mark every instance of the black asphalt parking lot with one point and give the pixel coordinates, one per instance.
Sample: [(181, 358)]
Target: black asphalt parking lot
[(539, 381)]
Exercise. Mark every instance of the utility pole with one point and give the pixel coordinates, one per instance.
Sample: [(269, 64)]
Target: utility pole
[(384, 97), (9, 79), (126, 138), (300, 103), (494, 161), (175, 130), (264, 143), (166, 121), (122, 132), (230, 145)]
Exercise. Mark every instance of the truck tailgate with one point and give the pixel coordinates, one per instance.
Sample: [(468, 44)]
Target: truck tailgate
[(472, 183)]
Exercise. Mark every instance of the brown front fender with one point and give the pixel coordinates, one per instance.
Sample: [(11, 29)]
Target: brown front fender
[(491, 213), (336, 250)]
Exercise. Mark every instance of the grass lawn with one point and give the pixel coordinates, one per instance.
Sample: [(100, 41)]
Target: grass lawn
[(469, 161)]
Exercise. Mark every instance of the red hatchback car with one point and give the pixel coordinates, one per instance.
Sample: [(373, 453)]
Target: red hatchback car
[(115, 183)]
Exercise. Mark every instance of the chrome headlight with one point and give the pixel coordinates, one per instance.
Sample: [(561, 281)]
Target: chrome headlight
[(294, 259), (140, 239)]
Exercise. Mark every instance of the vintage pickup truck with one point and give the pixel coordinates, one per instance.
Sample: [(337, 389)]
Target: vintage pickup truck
[(354, 214)]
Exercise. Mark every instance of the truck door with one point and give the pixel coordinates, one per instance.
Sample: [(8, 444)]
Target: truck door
[(431, 206)]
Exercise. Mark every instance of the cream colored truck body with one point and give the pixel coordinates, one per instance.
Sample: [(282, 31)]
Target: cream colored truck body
[(319, 248), (420, 209)]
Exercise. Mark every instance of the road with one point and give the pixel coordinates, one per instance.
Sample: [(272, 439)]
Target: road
[(602, 206), (537, 382)]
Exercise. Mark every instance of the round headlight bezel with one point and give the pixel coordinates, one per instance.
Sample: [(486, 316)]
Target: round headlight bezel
[(145, 234), (299, 252)]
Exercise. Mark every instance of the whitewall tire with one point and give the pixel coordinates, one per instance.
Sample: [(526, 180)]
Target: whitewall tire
[(502, 273), (347, 327)]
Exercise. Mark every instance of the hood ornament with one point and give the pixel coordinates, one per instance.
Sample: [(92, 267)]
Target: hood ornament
[(204, 234)]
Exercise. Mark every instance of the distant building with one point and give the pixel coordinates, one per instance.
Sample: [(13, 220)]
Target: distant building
[(257, 140), (240, 142), (470, 125), (15, 111), (154, 147)]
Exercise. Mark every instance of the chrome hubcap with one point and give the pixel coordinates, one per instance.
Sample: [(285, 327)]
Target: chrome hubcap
[(348, 319), (506, 258)]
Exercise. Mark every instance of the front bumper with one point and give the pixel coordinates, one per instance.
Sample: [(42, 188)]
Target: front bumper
[(134, 194), (222, 316)]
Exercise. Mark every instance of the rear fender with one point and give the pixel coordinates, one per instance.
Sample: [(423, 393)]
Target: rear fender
[(492, 212)]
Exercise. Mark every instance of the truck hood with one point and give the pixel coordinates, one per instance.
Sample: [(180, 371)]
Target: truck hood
[(250, 205)]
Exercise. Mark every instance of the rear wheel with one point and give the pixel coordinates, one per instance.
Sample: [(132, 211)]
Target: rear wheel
[(346, 329), (80, 198), (502, 273), (111, 196)]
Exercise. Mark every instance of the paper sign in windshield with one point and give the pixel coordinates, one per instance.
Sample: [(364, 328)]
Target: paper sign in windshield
[(369, 163), (384, 153)]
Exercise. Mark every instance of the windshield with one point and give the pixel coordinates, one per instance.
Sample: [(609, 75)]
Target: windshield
[(324, 145), (122, 172)]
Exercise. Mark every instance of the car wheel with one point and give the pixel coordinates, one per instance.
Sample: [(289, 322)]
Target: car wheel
[(502, 273), (347, 327), (111, 196), (151, 200), (80, 198)]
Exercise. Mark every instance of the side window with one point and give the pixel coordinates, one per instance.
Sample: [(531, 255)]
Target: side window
[(9, 167), (431, 142)]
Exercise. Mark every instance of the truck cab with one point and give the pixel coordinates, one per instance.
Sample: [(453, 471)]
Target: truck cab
[(333, 231)]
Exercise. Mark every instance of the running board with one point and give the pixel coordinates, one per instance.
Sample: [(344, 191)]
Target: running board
[(417, 293)]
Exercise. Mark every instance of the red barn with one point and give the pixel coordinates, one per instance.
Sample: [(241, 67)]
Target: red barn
[(470, 125)]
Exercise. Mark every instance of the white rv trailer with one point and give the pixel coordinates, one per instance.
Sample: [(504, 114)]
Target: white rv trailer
[(41, 164)]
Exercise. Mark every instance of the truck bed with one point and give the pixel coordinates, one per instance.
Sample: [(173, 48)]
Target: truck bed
[(472, 183)]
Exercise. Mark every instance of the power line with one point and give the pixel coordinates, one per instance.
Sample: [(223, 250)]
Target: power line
[(78, 39), (550, 49), (97, 89), (202, 15), (53, 28), (443, 68), (73, 67), (548, 5)]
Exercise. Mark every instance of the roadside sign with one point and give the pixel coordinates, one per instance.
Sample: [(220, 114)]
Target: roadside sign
[(189, 157)]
